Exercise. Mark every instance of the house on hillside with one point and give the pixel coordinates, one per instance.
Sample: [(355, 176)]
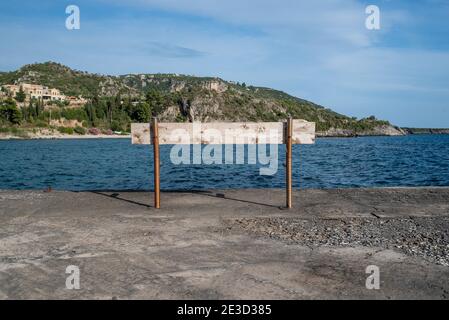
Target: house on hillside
[(35, 91)]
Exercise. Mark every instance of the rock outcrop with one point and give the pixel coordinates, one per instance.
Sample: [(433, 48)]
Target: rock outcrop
[(384, 130), (425, 131)]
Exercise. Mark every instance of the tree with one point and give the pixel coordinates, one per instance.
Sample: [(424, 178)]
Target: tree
[(141, 112), (90, 111), (39, 105), (156, 101), (9, 112), (20, 96), (26, 114)]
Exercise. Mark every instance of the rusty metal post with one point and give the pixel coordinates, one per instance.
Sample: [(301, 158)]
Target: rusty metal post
[(288, 169), (157, 194)]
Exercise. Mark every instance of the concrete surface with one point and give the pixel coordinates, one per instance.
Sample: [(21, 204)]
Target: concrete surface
[(125, 249)]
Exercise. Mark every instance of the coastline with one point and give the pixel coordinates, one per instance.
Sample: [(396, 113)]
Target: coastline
[(379, 131), (104, 136), (64, 137)]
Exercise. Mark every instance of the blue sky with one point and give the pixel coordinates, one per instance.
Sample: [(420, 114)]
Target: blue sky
[(319, 50)]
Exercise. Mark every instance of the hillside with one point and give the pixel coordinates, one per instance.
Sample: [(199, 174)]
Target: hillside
[(69, 81), (175, 97)]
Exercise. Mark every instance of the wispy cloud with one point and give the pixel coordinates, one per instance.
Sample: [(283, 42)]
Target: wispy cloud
[(154, 48)]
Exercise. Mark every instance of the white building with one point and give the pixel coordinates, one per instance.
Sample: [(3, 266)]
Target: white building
[(35, 91)]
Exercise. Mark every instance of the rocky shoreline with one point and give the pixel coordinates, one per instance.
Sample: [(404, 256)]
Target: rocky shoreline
[(387, 131), (425, 131), (61, 136)]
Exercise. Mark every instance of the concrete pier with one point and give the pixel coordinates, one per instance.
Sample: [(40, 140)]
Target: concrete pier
[(225, 244)]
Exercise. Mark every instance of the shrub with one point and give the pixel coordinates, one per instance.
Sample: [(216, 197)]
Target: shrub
[(80, 130), (18, 132), (94, 131), (65, 130), (116, 126), (74, 114), (41, 124)]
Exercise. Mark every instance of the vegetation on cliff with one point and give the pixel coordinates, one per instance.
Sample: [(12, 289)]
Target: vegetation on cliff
[(116, 101)]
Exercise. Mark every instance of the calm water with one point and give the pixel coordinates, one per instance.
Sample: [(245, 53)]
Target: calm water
[(118, 165)]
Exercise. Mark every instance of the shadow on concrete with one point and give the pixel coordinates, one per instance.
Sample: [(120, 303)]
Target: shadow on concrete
[(116, 195), (223, 196)]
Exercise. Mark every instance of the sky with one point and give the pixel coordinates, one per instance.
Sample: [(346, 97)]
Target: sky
[(319, 50)]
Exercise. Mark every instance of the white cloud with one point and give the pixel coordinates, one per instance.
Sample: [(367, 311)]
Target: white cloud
[(329, 20)]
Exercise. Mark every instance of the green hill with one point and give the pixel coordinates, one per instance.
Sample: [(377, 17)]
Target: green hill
[(118, 100)]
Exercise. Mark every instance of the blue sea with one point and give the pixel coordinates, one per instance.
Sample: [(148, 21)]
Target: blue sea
[(115, 164)]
